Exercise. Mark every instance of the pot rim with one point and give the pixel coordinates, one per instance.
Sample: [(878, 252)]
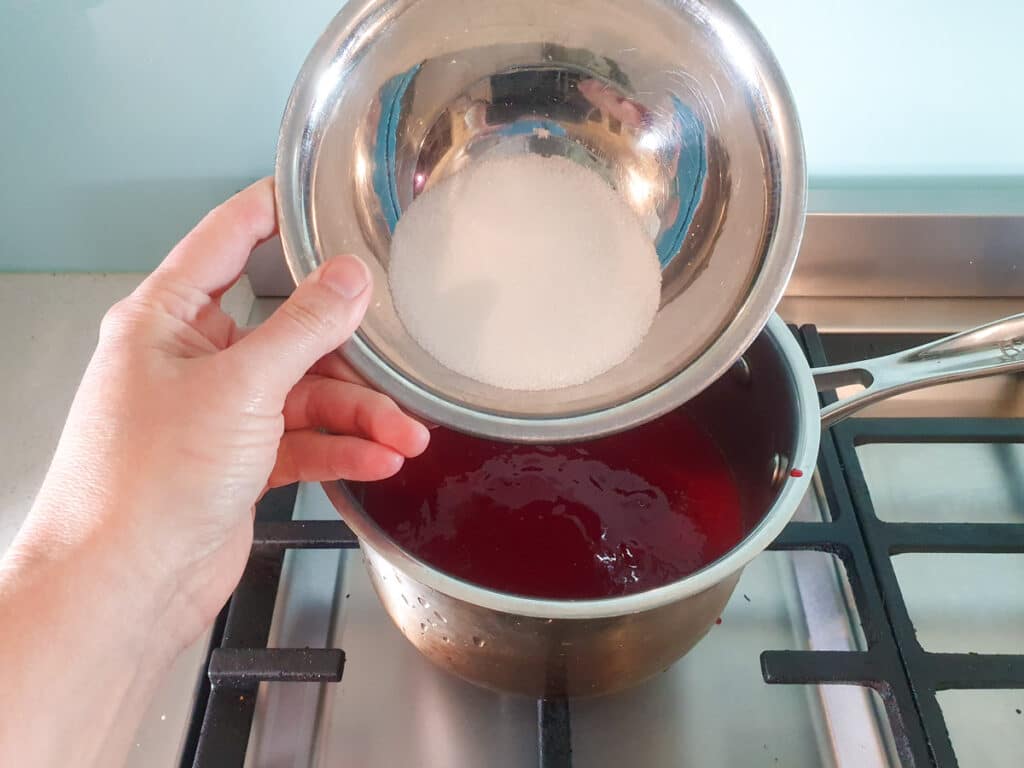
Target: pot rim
[(804, 456)]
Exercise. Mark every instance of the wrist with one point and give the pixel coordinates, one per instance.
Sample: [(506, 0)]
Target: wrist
[(99, 582), (74, 608), (167, 561)]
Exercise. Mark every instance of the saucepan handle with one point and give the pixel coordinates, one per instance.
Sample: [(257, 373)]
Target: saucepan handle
[(988, 350)]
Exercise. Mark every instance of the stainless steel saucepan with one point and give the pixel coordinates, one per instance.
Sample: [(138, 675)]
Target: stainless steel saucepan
[(764, 415)]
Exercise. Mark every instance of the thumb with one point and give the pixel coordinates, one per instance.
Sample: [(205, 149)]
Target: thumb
[(319, 316)]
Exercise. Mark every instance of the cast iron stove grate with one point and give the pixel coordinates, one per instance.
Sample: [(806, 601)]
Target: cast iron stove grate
[(894, 664)]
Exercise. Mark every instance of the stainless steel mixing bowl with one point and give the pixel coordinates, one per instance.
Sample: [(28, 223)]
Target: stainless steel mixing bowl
[(678, 105)]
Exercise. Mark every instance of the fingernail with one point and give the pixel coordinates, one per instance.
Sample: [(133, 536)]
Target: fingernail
[(347, 275), (423, 438), (395, 461)]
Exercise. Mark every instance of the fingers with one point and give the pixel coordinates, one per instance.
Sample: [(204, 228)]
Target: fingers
[(310, 456), (609, 100), (212, 256), (332, 365), (335, 366), (322, 312), (341, 407)]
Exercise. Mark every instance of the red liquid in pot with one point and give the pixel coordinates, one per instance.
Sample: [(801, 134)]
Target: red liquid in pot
[(614, 516)]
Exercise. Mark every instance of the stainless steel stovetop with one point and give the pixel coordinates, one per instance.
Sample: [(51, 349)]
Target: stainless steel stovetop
[(713, 708)]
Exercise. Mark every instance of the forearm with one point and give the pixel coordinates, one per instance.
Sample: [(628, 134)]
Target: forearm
[(78, 654)]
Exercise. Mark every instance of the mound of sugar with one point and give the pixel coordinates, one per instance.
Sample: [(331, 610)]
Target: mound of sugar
[(524, 273)]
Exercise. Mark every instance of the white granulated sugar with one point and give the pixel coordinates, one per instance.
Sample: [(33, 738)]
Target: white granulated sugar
[(525, 273)]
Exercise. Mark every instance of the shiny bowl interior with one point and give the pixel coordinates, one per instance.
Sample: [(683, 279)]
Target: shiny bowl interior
[(679, 106)]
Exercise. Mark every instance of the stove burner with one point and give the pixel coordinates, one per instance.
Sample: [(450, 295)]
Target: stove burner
[(894, 664)]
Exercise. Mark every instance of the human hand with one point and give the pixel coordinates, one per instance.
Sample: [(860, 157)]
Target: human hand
[(183, 420), (610, 100)]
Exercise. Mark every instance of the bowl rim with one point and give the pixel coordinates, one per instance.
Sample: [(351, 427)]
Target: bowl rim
[(807, 436), (338, 48)]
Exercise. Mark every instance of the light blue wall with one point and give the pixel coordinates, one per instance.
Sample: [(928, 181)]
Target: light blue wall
[(903, 87), (121, 121)]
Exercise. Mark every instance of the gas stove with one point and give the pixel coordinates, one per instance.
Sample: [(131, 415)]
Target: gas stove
[(883, 628)]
